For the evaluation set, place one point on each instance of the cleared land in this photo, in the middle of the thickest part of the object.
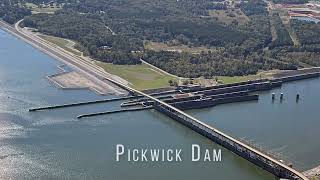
(63, 43)
(156, 46)
(229, 16)
(46, 9)
(234, 79)
(140, 76)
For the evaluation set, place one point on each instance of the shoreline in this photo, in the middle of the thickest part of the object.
(85, 68)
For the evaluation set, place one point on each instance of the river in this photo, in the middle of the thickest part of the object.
(55, 145)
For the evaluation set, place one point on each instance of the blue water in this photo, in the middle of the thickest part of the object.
(288, 128)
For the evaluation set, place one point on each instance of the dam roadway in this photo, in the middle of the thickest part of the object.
(249, 153)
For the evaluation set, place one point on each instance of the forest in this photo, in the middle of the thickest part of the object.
(213, 64)
(307, 32)
(12, 14)
(115, 32)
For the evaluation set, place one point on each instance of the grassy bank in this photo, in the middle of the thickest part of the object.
(235, 79)
(63, 43)
(140, 76)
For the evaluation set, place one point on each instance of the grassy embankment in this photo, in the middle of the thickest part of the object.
(140, 76)
(235, 79)
(63, 43)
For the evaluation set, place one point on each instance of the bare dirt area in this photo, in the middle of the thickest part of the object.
(74, 80)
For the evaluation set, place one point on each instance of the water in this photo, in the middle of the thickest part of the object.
(288, 128)
(55, 145)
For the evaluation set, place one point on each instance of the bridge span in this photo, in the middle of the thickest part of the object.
(249, 153)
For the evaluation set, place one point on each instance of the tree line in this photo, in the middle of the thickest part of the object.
(12, 13)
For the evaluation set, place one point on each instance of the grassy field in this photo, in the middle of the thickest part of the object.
(228, 16)
(35, 9)
(235, 79)
(156, 46)
(63, 43)
(143, 77)
(140, 76)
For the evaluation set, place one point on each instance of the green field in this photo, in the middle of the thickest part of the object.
(63, 43)
(140, 76)
(47, 9)
(235, 79)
